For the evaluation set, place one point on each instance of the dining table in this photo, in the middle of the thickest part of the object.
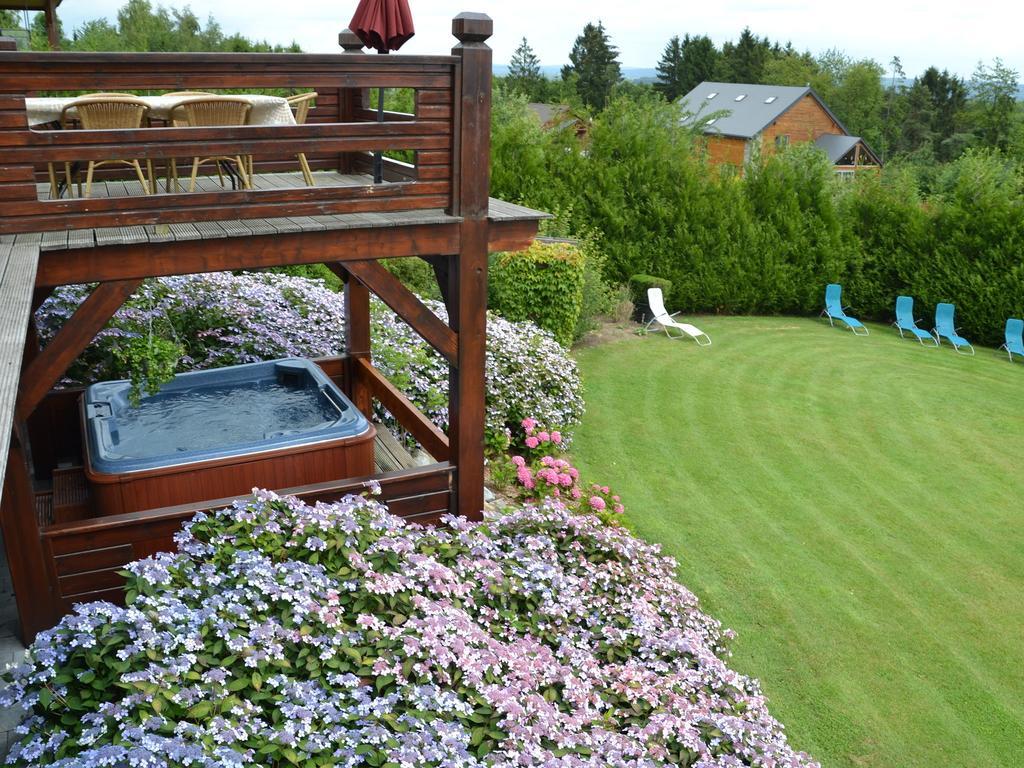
(266, 110)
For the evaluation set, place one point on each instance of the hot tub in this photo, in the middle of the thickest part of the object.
(212, 434)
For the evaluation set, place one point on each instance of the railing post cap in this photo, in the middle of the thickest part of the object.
(350, 41)
(472, 27)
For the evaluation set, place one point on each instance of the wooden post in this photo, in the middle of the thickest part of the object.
(50, 12)
(468, 270)
(29, 575)
(357, 340)
(8, 44)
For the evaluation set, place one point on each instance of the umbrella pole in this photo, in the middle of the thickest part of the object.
(378, 159)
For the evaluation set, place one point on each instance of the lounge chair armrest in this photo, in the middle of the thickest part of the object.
(676, 313)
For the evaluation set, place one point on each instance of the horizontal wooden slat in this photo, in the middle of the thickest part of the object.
(434, 96)
(16, 173)
(90, 581)
(17, 192)
(434, 112)
(93, 560)
(434, 157)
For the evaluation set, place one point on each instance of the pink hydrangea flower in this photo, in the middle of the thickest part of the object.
(529, 424)
(556, 437)
(532, 442)
(519, 461)
(597, 503)
(543, 436)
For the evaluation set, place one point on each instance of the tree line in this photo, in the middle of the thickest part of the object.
(930, 119)
(141, 26)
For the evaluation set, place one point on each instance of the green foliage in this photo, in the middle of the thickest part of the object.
(639, 285)
(524, 75)
(595, 66)
(141, 26)
(670, 71)
(415, 274)
(995, 91)
(543, 284)
(150, 361)
(311, 272)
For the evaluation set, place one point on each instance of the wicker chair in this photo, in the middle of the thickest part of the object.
(103, 112)
(213, 111)
(301, 104)
(180, 122)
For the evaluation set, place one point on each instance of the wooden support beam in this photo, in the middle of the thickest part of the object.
(405, 304)
(433, 440)
(357, 339)
(29, 574)
(115, 262)
(468, 272)
(80, 329)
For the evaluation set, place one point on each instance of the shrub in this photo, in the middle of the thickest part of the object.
(638, 287)
(335, 634)
(222, 319)
(542, 284)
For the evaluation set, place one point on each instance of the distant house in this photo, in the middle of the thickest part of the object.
(556, 117)
(738, 118)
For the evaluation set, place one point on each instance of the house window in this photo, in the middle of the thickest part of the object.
(782, 141)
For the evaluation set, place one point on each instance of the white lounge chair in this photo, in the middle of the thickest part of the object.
(664, 319)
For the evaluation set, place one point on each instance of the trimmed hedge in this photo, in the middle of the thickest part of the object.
(543, 284)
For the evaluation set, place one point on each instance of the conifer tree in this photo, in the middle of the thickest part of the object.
(524, 76)
(670, 68)
(594, 62)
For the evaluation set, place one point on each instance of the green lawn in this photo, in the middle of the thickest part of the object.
(853, 508)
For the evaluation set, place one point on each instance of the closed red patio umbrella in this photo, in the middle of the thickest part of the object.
(384, 25)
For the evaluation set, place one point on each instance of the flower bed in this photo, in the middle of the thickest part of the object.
(218, 319)
(287, 634)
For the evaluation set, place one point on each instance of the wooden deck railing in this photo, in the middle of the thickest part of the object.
(339, 134)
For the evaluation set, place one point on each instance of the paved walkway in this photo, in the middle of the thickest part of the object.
(11, 649)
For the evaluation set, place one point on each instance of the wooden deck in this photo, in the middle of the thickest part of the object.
(17, 280)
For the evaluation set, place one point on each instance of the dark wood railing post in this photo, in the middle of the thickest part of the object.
(349, 99)
(8, 44)
(468, 270)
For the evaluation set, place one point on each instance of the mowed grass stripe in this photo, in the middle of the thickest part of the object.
(851, 507)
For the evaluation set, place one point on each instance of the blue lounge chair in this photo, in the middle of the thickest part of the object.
(944, 327)
(1014, 338)
(905, 320)
(835, 310)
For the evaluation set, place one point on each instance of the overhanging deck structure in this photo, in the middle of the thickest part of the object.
(435, 207)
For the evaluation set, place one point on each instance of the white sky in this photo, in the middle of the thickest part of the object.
(953, 35)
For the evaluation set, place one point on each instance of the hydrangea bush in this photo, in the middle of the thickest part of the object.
(220, 319)
(285, 634)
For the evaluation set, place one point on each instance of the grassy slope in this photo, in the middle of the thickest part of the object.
(852, 507)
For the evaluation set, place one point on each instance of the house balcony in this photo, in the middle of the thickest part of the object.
(297, 189)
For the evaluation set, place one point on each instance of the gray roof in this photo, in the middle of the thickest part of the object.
(836, 146)
(759, 106)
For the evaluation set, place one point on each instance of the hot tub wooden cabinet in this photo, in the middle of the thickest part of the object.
(222, 432)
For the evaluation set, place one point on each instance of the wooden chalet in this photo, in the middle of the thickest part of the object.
(740, 120)
(61, 548)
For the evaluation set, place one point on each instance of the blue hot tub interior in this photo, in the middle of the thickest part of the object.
(215, 414)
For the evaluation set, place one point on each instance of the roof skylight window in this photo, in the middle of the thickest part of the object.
(770, 99)
(712, 95)
(741, 97)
